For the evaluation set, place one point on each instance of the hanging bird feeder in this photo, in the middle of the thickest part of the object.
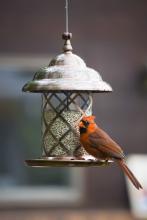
(67, 85)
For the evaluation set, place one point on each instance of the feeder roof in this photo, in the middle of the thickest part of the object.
(67, 72)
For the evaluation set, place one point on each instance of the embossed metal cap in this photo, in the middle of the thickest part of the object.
(67, 72)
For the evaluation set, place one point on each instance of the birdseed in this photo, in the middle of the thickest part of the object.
(59, 139)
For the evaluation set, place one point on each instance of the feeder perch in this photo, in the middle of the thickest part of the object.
(67, 85)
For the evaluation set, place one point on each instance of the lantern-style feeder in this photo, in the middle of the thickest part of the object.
(67, 85)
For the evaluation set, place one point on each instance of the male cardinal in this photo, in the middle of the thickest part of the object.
(100, 145)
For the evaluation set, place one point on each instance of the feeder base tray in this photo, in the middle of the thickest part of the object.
(67, 162)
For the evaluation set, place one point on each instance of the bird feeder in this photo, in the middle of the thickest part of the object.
(66, 85)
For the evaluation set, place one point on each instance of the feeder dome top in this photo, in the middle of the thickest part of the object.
(67, 72)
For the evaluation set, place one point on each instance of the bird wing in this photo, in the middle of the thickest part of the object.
(103, 142)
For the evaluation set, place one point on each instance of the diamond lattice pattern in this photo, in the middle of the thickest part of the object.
(59, 117)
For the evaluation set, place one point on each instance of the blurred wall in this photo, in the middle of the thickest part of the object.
(111, 36)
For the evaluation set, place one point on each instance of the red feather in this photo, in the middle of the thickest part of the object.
(100, 145)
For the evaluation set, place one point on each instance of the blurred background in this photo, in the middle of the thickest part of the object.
(111, 36)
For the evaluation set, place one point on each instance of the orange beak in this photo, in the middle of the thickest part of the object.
(81, 125)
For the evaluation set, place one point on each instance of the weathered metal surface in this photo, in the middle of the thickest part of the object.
(66, 162)
(67, 72)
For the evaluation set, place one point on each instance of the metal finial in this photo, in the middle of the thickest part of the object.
(67, 45)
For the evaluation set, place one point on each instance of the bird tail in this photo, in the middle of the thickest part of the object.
(129, 174)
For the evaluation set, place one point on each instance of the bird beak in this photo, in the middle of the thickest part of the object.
(81, 125)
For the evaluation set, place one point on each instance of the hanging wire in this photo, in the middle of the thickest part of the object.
(67, 16)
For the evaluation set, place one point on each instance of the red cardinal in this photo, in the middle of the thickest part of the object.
(100, 145)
